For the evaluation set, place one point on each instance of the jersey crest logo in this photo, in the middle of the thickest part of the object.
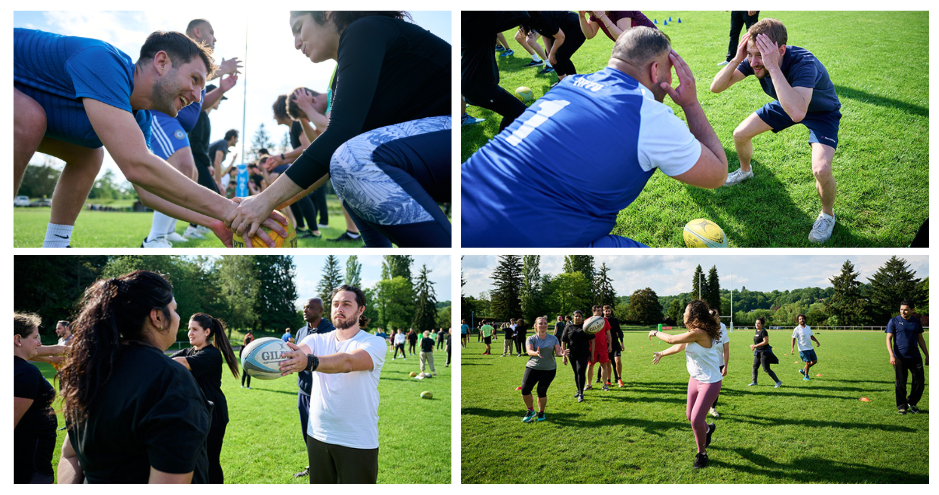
(179, 134)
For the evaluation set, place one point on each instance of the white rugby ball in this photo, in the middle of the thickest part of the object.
(701, 232)
(594, 324)
(261, 359)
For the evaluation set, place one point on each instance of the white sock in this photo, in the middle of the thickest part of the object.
(354, 235)
(172, 227)
(548, 64)
(57, 236)
(534, 57)
(161, 224)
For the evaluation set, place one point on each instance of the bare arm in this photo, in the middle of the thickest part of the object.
(531, 351)
(922, 345)
(588, 28)
(558, 41)
(342, 362)
(893, 359)
(795, 101)
(675, 349)
(729, 75)
(158, 477)
(183, 361)
(217, 163)
(69, 472)
(726, 358)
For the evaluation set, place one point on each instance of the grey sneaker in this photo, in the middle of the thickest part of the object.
(824, 225)
(158, 242)
(721, 64)
(778, 384)
(738, 176)
(174, 237)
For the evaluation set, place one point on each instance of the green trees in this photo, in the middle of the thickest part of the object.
(425, 305)
(847, 305)
(892, 283)
(603, 287)
(353, 272)
(331, 279)
(506, 296)
(644, 307)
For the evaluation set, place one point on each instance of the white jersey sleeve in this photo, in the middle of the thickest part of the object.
(665, 142)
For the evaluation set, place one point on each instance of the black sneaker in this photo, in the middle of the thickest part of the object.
(711, 428)
(914, 409)
(305, 472)
(306, 234)
(901, 411)
(534, 64)
(345, 237)
(700, 461)
(546, 70)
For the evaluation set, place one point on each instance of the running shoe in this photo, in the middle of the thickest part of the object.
(802, 371)
(700, 461)
(580, 398)
(202, 229)
(540, 417)
(711, 428)
(467, 120)
(305, 472)
(535, 64)
(306, 234)
(546, 70)
(174, 237)
(322, 226)
(620, 383)
(901, 411)
(713, 412)
(500, 48)
(518, 387)
(345, 237)
(506, 53)
(823, 227)
(588, 387)
(721, 64)
(752, 384)
(805, 378)
(778, 384)
(192, 233)
(608, 384)
(529, 417)
(605, 388)
(914, 409)
(158, 242)
(738, 176)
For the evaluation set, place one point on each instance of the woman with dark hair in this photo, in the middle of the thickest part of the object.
(304, 210)
(702, 357)
(133, 415)
(520, 335)
(249, 338)
(34, 421)
(579, 345)
(204, 360)
(387, 146)
(540, 369)
(560, 30)
(763, 353)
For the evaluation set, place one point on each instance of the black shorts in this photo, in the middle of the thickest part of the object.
(615, 353)
(487, 340)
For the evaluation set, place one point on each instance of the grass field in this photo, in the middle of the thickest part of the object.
(114, 229)
(803, 432)
(881, 164)
(263, 442)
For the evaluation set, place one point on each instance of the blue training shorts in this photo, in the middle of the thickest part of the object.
(823, 126)
(807, 356)
(168, 135)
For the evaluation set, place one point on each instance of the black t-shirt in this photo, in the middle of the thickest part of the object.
(758, 337)
(296, 128)
(559, 329)
(616, 333)
(150, 412)
(206, 367)
(477, 45)
(220, 145)
(390, 71)
(507, 333)
(577, 340)
(427, 344)
(412, 337)
(548, 22)
(34, 435)
(199, 140)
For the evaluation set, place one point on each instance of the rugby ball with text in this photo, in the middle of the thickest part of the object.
(703, 233)
(594, 324)
(261, 358)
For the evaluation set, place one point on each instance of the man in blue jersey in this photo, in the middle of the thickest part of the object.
(538, 176)
(904, 334)
(72, 95)
(170, 139)
(803, 94)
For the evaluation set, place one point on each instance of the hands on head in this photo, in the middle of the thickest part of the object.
(686, 93)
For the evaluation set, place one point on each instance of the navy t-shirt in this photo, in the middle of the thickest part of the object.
(58, 71)
(802, 70)
(905, 336)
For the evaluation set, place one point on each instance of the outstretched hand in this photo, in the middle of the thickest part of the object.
(769, 51)
(656, 356)
(230, 66)
(294, 361)
(685, 94)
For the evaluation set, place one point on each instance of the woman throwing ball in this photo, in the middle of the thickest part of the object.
(204, 360)
(702, 357)
(541, 367)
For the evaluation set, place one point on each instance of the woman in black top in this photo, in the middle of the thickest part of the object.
(562, 36)
(521, 335)
(249, 338)
(204, 360)
(34, 421)
(387, 146)
(763, 353)
(133, 415)
(580, 344)
(412, 341)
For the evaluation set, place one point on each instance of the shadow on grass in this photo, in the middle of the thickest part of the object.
(817, 470)
(577, 420)
(881, 101)
(812, 423)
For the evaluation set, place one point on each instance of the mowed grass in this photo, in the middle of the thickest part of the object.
(881, 163)
(263, 442)
(95, 229)
(804, 432)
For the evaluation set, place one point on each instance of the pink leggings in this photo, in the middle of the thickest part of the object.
(700, 398)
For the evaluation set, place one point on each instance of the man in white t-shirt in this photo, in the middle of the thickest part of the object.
(346, 365)
(725, 357)
(803, 334)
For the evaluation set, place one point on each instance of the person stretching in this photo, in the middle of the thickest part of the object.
(541, 368)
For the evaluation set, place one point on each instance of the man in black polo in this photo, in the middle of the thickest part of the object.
(904, 334)
(315, 323)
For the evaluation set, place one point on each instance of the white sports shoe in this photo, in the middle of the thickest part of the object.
(174, 237)
(721, 64)
(159, 242)
(192, 233)
(202, 229)
(738, 176)
(824, 225)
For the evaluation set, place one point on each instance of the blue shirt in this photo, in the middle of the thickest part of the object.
(905, 336)
(305, 378)
(802, 70)
(464, 329)
(570, 163)
(58, 71)
(286, 337)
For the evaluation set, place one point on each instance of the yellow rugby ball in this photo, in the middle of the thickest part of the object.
(289, 242)
(525, 94)
(703, 233)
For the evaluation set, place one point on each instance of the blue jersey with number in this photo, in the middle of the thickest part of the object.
(58, 71)
(559, 175)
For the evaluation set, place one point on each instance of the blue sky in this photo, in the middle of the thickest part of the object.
(672, 274)
(271, 65)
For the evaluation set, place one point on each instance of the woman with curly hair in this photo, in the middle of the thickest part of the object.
(133, 415)
(702, 357)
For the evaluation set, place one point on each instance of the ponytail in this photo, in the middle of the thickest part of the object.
(217, 333)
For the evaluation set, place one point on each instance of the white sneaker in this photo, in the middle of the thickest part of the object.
(159, 242)
(723, 63)
(824, 225)
(174, 237)
(202, 229)
(322, 226)
(192, 233)
(738, 176)
(714, 413)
